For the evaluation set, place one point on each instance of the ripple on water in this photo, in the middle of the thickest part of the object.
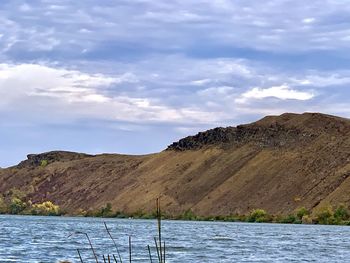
(45, 239)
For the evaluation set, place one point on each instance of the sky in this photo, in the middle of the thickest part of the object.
(132, 76)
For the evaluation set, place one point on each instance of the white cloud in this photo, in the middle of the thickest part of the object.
(283, 92)
(20, 83)
(271, 25)
(215, 92)
(324, 79)
(200, 82)
(163, 89)
(57, 93)
(309, 20)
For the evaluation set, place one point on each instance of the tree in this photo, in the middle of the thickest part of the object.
(17, 206)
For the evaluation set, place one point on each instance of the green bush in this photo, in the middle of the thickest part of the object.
(105, 211)
(143, 215)
(90, 213)
(44, 163)
(325, 216)
(232, 218)
(300, 212)
(258, 216)
(341, 213)
(306, 219)
(119, 214)
(188, 215)
(289, 219)
(17, 206)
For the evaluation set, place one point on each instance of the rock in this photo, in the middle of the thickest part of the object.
(34, 160)
(272, 131)
(272, 136)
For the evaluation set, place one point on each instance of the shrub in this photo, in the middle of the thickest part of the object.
(232, 218)
(153, 215)
(91, 213)
(81, 212)
(119, 214)
(16, 206)
(341, 213)
(44, 163)
(258, 215)
(46, 208)
(300, 212)
(289, 219)
(325, 216)
(105, 211)
(306, 219)
(189, 215)
(140, 214)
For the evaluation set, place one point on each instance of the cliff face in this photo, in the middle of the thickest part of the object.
(278, 163)
(272, 131)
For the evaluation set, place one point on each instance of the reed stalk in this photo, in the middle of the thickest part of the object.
(161, 251)
(81, 260)
(158, 254)
(159, 243)
(149, 253)
(115, 244)
(88, 238)
(130, 248)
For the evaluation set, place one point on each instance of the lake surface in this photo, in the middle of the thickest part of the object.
(45, 239)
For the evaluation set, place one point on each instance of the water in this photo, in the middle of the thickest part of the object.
(45, 239)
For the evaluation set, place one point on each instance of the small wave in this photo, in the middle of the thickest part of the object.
(222, 238)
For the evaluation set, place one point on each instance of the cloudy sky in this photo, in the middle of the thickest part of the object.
(131, 76)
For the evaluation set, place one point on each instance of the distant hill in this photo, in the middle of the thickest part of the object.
(278, 163)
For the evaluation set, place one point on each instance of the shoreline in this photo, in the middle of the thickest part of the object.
(226, 219)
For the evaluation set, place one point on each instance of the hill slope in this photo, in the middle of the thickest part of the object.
(278, 163)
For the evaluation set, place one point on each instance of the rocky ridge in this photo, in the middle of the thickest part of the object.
(272, 131)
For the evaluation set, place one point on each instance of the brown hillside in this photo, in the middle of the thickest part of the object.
(278, 163)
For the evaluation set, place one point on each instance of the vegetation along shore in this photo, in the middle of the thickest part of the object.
(327, 215)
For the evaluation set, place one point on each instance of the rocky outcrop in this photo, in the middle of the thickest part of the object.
(275, 135)
(272, 131)
(34, 160)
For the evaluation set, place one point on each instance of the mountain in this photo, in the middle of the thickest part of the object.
(278, 163)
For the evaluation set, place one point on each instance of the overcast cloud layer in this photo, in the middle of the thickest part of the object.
(133, 76)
